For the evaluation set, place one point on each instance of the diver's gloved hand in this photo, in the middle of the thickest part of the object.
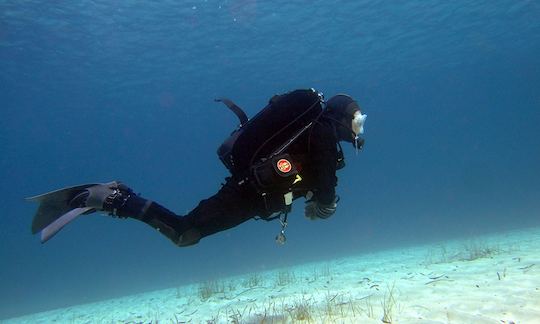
(109, 197)
(315, 210)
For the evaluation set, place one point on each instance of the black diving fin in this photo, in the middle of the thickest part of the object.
(54, 227)
(54, 211)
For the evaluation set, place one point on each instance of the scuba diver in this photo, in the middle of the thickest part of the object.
(290, 149)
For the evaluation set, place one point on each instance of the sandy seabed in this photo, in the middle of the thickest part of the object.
(491, 279)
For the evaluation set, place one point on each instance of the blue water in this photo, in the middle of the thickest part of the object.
(102, 90)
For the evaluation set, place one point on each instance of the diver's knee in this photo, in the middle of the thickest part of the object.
(190, 237)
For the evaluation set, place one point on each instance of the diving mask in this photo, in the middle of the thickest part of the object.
(358, 123)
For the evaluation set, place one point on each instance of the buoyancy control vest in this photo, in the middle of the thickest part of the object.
(257, 148)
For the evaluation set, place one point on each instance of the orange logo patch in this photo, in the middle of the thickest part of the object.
(284, 165)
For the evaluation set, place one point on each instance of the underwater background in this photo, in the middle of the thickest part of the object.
(94, 91)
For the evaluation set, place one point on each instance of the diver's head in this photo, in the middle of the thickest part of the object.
(347, 117)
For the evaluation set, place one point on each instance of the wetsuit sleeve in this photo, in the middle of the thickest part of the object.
(323, 156)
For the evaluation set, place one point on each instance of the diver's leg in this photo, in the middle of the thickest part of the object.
(173, 226)
(229, 207)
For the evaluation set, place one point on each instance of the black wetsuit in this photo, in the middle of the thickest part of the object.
(314, 152)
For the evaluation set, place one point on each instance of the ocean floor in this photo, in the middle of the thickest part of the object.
(491, 279)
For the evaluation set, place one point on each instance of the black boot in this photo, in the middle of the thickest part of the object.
(119, 200)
